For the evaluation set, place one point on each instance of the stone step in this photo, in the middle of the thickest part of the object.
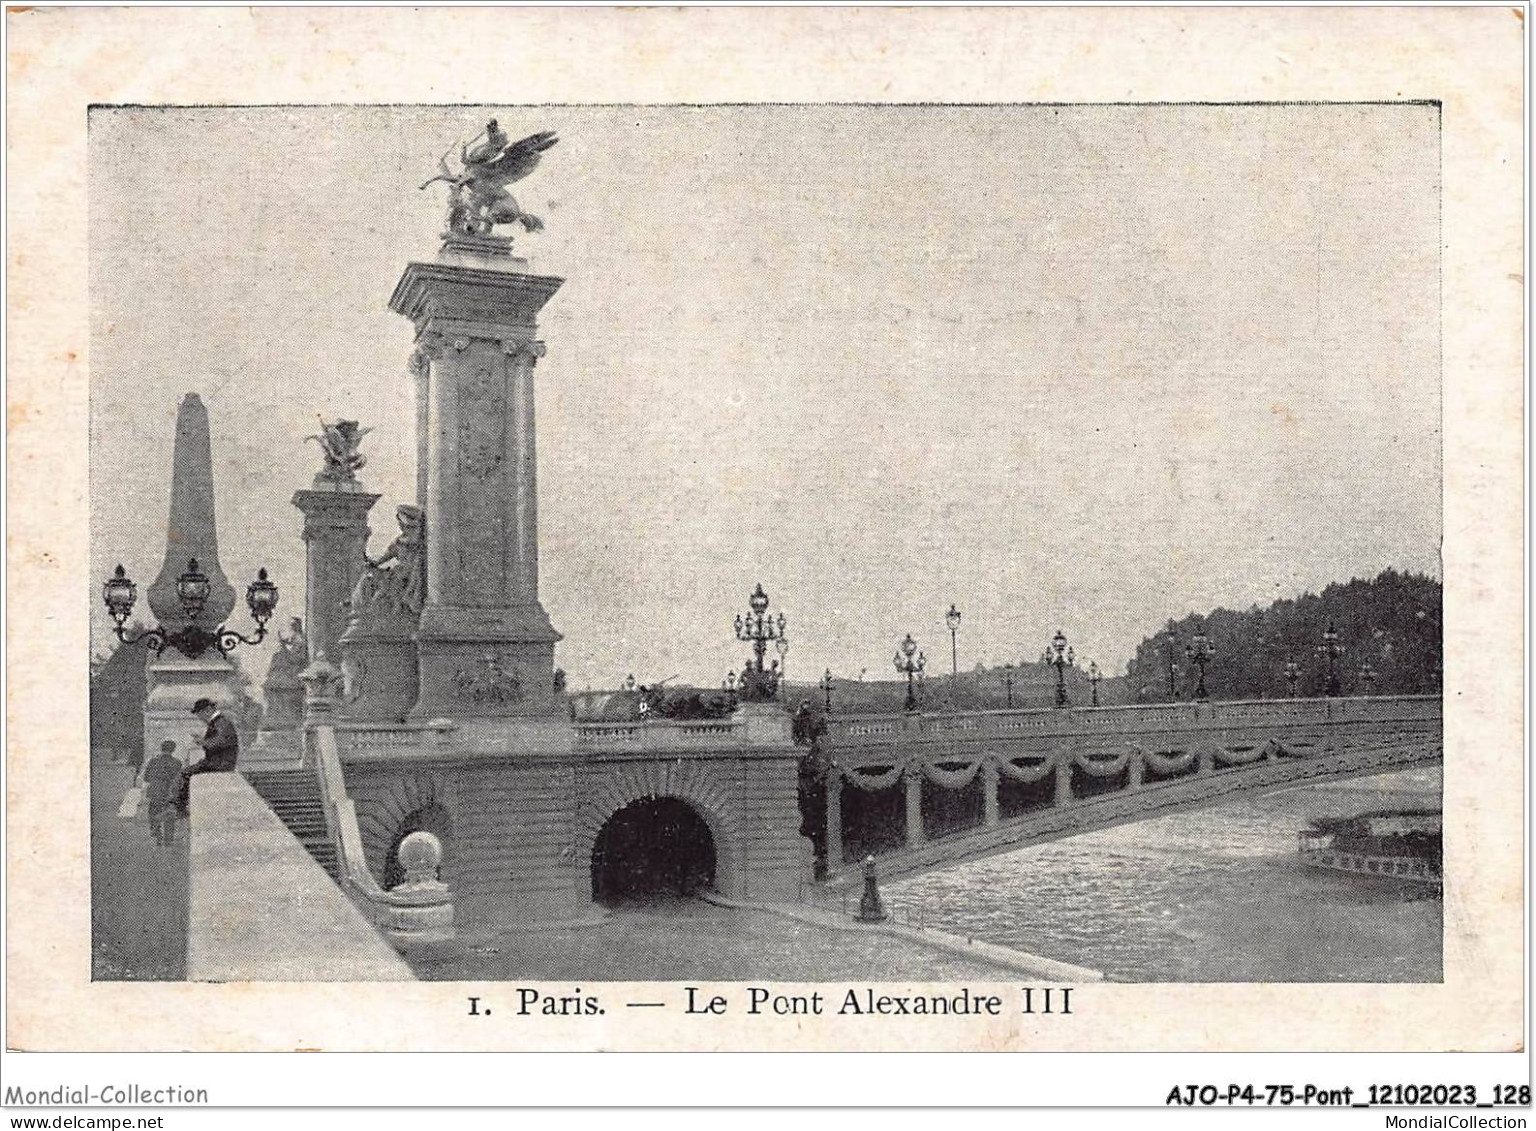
(294, 795)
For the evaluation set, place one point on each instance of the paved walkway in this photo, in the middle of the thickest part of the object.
(683, 940)
(138, 890)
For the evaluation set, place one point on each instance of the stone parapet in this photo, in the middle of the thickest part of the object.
(261, 909)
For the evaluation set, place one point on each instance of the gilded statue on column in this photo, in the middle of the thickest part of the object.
(478, 199)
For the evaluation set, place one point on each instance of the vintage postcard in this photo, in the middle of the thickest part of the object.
(667, 564)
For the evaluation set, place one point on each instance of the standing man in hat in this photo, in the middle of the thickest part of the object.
(220, 743)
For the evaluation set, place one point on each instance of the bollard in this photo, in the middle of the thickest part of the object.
(870, 908)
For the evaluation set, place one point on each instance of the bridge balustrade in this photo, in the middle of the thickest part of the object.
(661, 735)
(1060, 760)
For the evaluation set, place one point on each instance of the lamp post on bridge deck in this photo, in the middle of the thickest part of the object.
(1063, 658)
(1008, 682)
(758, 683)
(1173, 665)
(952, 618)
(910, 661)
(826, 689)
(1093, 680)
(1200, 650)
(1331, 649)
(1292, 674)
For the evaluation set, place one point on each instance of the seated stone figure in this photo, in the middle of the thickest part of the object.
(395, 582)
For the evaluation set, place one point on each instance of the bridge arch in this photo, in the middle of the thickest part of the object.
(702, 792)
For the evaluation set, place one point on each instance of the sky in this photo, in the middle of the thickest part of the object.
(1081, 367)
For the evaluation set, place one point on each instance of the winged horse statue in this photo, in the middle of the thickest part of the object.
(479, 199)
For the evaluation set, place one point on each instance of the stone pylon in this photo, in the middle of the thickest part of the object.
(175, 681)
(335, 538)
(485, 646)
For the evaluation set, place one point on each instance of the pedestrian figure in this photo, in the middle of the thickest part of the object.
(162, 787)
(220, 743)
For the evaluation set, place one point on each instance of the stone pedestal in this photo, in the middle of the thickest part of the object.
(282, 699)
(335, 538)
(175, 683)
(485, 646)
(378, 668)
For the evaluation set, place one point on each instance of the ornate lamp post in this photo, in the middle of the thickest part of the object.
(781, 645)
(192, 589)
(629, 682)
(910, 661)
(728, 685)
(1331, 649)
(826, 688)
(952, 618)
(1367, 677)
(1173, 661)
(1062, 659)
(1008, 682)
(759, 629)
(1093, 680)
(1292, 674)
(1200, 650)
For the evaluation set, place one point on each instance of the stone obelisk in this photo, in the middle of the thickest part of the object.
(175, 681)
(485, 646)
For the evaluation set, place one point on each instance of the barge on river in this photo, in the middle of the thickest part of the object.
(1395, 844)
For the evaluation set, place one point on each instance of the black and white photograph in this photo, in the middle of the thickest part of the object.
(920, 572)
(1013, 525)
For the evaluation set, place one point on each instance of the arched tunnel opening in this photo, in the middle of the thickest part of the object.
(651, 849)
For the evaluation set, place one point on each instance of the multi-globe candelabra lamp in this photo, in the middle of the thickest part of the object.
(759, 682)
(192, 590)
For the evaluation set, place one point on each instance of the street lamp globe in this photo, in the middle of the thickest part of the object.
(952, 618)
(758, 602)
(120, 593)
(261, 596)
(192, 588)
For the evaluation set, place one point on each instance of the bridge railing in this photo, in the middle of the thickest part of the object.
(955, 769)
(885, 730)
(662, 734)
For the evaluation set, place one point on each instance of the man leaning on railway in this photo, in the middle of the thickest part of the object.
(220, 743)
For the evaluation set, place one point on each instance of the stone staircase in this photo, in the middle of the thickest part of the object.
(294, 795)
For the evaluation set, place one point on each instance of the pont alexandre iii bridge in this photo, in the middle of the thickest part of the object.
(417, 744)
(927, 791)
(551, 825)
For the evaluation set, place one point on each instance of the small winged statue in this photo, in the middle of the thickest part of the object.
(479, 199)
(338, 442)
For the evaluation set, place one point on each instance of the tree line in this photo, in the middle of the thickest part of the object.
(1391, 622)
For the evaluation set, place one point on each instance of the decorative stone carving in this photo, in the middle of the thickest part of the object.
(482, 426)
(281, 693)
(489, 681)
(524, 351)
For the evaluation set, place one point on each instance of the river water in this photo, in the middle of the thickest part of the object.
(1216, 895)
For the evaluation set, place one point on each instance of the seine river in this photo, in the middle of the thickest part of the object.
(1211, 896)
